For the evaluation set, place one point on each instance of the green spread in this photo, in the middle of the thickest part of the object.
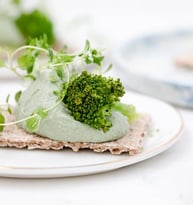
(59, 124)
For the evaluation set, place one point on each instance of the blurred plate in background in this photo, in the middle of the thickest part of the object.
(147, 65)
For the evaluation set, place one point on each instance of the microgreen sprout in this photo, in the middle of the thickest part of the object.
(28, 60)
(89, 97)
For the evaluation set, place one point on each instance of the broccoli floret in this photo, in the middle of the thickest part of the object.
(35, 25)
(90, 97)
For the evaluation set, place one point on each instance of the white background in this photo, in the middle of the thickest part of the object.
(117, 21)
(166, 179)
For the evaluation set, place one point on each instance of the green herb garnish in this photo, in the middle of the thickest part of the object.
(89, 96)
(18, 95)
(2, 121)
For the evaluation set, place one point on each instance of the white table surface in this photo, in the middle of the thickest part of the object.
(165, 179)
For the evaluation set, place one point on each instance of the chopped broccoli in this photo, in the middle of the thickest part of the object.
(35, 25)
(90, 97)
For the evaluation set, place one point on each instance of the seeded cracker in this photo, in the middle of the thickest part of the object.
(132, 143)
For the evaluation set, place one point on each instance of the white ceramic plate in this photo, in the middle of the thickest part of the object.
(147, 65)
(46, 164)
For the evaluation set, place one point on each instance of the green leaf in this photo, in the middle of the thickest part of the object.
(32, 77)
(87, 46)
(59, 72)
(16, 2)
(50, 54)
(59, 94)
(108, 68)
(66, 59)
(2, 63)
(98, 59)
(18, 95)
(2, 121)
(127, 110)
(41, 41)
(7, 98)
(9, 110)
(42, 113)
(88, 60)
(26, 62)
(33, 123)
